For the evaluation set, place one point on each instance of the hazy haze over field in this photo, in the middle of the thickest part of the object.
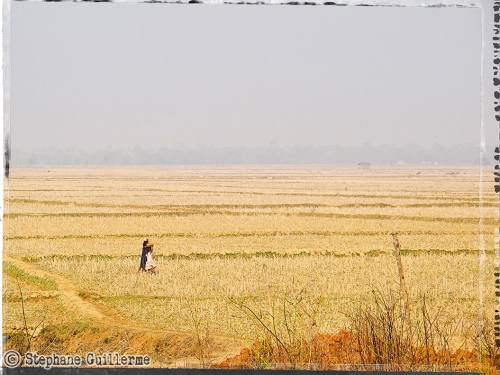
(114, 77)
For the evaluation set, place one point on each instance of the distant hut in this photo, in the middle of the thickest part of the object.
(364, 165)
(400, 163)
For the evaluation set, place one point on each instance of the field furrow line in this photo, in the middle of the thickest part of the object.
(237, 234)
(66, 289)
(486, 221)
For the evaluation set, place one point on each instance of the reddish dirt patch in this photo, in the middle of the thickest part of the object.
(342, 352)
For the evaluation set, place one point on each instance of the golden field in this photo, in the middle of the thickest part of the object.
(322, 232)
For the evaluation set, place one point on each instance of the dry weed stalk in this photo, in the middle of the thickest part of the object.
(23, 342)
(383, 336)
(204, 340)
(287, 331)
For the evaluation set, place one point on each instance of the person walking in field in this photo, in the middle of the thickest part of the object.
(146, 248)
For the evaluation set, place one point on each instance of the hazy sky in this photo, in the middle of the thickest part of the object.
(91, 76)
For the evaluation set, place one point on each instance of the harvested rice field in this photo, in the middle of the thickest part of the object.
(235, 246)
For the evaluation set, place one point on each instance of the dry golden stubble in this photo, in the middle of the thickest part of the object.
(299, 191)
(245, 243)
(208, 224)
(448, 280)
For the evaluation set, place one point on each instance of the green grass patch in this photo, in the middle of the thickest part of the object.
(416, 252)
(44, 283)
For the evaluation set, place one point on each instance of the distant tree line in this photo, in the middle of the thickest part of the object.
(271, 154)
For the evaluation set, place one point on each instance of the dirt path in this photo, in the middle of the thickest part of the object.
(85, 309)
(66, 289)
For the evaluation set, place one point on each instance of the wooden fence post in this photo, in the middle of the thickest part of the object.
(402, 284)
